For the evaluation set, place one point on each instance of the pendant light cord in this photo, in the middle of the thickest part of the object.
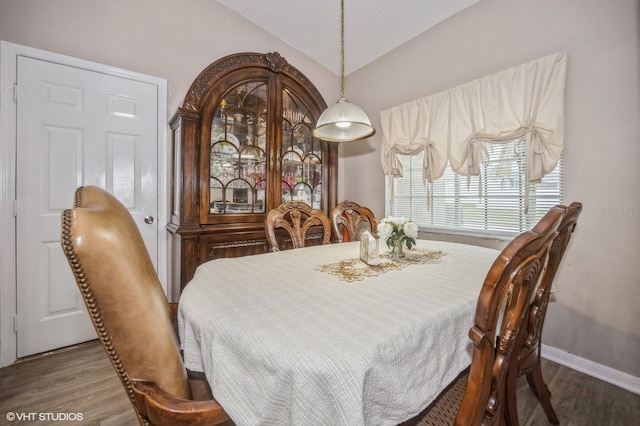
(343, 121)
(342, 49)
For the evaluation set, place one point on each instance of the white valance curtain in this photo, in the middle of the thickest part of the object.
(524, 101)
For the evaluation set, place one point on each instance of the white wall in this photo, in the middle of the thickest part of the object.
(172, 39)
(596, 312)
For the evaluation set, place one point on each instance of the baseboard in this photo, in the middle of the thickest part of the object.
(599, 371)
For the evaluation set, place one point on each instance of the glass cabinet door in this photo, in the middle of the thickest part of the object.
(238, 170)
(301, 160)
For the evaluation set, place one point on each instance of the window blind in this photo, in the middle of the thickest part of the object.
(492, 203)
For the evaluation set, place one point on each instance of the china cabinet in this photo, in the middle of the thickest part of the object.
(242, 145)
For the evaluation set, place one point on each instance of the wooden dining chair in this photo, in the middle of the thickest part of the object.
(297, 219)
(477, 397)
(348, 219)
(130, 312)
(527, 360)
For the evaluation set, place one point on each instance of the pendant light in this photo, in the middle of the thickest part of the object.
(343, 121)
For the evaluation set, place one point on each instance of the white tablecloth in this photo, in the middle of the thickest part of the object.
(284, 344)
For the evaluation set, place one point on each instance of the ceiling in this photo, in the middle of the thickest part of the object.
(372, 27)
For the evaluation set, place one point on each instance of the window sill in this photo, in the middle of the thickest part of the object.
(496, 241)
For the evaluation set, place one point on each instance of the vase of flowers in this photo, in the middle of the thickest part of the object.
(397, 232)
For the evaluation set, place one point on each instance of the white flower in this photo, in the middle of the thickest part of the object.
(411, 230)
(398, 221)
(397, 230)
(384, 229)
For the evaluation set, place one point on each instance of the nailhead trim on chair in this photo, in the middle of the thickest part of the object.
(94, 310)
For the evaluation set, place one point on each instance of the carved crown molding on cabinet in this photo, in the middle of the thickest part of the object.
(210, 75)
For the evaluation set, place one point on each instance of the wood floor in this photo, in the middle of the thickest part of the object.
(81, 380)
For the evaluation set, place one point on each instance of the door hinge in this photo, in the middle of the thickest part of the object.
(15, 208)
(15, 324)
(15, 92)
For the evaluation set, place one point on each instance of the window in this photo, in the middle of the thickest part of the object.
(489, 205)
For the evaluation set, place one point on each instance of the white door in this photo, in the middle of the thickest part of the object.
(74, 127)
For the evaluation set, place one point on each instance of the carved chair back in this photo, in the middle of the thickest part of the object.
(501, 311)
(527, 358)
(296, 218)
(539, 305)
(348, 219)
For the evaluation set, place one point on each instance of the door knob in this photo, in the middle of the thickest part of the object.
(148, 219)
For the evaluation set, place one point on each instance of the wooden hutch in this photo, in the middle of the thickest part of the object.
(242, 145)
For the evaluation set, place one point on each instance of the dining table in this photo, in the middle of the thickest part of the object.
(315, 336)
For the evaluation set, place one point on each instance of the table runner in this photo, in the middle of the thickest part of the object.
(284, 344)
(355, 269)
